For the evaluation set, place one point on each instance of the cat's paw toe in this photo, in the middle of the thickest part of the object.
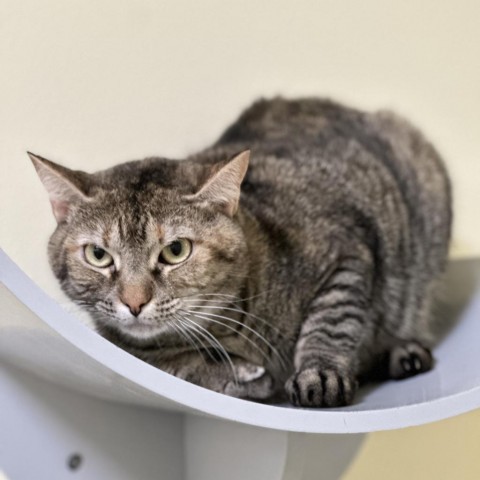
(316, 387)
(409, 359)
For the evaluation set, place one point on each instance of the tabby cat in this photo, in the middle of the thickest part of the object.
(298, 256)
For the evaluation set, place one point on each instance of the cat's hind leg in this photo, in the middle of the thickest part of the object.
(338, 325)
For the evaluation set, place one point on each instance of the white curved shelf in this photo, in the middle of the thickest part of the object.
(38, 335)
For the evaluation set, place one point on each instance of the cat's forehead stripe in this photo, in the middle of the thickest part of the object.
(160, 231)
(106, 236)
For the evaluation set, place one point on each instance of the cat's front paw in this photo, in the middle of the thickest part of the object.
(252, 382)
(317, 387)
(409, 359)
(242, 380)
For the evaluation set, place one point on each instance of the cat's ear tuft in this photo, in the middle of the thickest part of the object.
(222, 187)
(64, 186)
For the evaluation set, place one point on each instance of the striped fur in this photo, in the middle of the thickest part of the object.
(324, 277)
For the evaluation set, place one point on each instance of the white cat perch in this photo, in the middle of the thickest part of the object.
(92, 411)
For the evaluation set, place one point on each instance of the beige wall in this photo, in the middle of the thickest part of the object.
(92, 83)
(446, 450)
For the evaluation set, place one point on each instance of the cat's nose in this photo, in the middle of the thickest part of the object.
(135, 297)
(135, 309)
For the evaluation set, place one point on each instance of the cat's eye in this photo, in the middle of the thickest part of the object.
(97, 256)
(177, 252)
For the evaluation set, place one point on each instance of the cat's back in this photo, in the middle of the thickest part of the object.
(323, 159)
(279, 119)
(320, 131)
(315, 142)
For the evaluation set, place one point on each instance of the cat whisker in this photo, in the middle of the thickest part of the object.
(229, 327)
(212, 317)
(181, 332)
(223, 354)
(189, 331)
(238, 310)
(240, 299)
(188, 325)
(177, 325)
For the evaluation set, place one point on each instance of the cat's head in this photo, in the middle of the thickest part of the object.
(137, 244)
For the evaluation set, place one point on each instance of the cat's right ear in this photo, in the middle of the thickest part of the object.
(222, 188)
(64, 186)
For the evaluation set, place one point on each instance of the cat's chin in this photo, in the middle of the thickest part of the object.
(141, 331)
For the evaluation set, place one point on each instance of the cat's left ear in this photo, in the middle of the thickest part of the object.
(64, 186)
(222, 187)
